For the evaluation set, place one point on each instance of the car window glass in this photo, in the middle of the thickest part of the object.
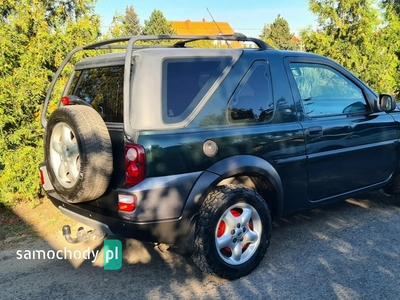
(251, 102)
(103, 89)
(185, 82)
(325, 91)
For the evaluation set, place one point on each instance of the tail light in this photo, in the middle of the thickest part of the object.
(65, 100)
(126, 203)
(135, 164)
(41, 177)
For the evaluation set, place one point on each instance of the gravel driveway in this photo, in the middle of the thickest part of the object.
(348, 250)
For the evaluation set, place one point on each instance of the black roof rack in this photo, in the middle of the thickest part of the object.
(184, 39)
(239, 37)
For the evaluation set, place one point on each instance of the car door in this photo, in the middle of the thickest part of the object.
(349, 145)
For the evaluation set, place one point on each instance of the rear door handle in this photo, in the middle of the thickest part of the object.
(314, 131)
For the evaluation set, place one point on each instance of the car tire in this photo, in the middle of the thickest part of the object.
(232, 233)
(78, 153)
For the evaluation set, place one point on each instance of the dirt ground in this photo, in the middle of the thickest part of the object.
(22, 222)
(347, 250)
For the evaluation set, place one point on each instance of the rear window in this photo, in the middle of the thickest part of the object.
(103, 89)
(185, 82)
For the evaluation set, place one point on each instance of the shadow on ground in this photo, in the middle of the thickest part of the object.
(347, 250)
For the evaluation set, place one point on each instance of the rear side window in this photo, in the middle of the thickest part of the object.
(103, 89)
(252, 101)
(185, 82)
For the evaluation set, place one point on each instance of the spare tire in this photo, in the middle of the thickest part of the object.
(78, 153)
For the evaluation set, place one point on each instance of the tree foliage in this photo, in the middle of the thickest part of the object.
(126, 24)
(35, 37)
(353, 33)
(278, 35)
(393, 5)
(157, 24)
(390, 33)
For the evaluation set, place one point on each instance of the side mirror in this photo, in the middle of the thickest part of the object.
(387, 103)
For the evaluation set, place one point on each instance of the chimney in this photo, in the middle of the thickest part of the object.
(187, 23)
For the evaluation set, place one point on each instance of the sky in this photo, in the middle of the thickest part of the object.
(247, 17)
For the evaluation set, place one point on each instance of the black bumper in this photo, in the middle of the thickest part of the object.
(176, 232)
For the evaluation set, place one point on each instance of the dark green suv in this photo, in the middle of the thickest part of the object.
(201, 148)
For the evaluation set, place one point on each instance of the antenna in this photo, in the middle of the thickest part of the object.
(219, 29)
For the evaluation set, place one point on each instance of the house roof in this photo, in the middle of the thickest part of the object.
(296, 39)
(189, 27)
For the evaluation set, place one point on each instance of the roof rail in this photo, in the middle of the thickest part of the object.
(184, 39)
(235, 37)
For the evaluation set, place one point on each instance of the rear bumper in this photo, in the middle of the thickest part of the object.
(159, 198)
(87, 221)
(174, 232)
(158, 216)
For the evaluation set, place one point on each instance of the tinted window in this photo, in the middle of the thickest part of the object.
(103, 89)
(185, 82)
(251, 102)
(325, 91)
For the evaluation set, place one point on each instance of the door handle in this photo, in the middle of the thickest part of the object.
(314, 131)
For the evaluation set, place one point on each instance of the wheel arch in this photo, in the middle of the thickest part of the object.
(250, 171)
(253, 172)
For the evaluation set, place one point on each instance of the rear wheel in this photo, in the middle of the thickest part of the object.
(78, 153)
(233, 232)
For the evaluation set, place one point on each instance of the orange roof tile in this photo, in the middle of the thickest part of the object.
(296, 39)
(201, 28)
(189, 27)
